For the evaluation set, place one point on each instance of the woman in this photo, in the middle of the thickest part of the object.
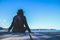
(19, 23)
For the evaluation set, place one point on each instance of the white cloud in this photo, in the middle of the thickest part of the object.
(4, 23)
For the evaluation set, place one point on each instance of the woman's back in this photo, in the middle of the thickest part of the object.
(18, 23)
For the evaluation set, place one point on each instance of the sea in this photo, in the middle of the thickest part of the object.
(52, 38)
(35, 30)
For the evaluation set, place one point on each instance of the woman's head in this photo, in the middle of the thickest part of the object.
(20, 12)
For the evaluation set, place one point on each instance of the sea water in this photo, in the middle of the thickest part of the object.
(36, 30)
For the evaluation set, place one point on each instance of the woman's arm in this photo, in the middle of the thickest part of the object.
(11, 25)
(25, 22)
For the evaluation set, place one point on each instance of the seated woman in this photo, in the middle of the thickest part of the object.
(19, 23)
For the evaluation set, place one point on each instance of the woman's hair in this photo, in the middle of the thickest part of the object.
(20, 12)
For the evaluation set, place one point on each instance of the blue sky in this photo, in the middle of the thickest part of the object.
(40, 14)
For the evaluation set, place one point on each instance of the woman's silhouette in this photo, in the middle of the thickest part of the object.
(19, 23)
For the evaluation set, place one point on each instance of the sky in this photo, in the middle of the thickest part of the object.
(40, 14)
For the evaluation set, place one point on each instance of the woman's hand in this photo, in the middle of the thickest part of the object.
(8, 30)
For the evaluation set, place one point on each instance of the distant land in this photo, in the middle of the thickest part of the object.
(43, 29)
(1, 28)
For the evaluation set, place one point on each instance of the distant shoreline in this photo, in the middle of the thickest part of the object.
(36, 30)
